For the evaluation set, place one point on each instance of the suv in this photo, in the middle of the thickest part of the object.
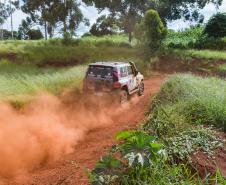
(122, 79)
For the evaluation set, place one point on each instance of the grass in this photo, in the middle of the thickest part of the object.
(160, 152)
(201, 54)
(18, 81)
(27, 67)
(221, 70)
(75, 51)
(186, 100)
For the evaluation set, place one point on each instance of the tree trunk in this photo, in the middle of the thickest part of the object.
(130, 37)
(11, 16)
(45, 30)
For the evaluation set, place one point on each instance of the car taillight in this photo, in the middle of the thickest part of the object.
(117, 85)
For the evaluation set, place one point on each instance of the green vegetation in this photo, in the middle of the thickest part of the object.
(194, 38)
(185, 99)
(20, 81)
(221, 70)
(176, 116)
(28, 67)
(201, 54)
(216, 26)
(151, 31)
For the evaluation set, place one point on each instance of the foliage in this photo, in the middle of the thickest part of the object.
(186, 143)
(7, 35)
(151, 31)
(111, 170)
(200, 54)
(193, 38)
(105, 26)
(216, 26)
(183, 39)
(26, 32)
(49, 15)
(131, 11)
(34, 34)
(6, 9)
(221, 70)
(185, 100)
(19, 81)
(139, 151)
(205, 42)
(139, 148)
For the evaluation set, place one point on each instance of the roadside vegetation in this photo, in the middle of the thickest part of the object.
(184, 118)
(160, 152)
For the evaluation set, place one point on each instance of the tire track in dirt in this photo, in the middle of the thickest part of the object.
(71, 168)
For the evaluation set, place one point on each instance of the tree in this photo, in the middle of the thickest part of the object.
(25, 31)
(216, 26)
(131, 11)
(151, 31)
(35, 34)
(6, 10)
(65, 14)
(105, 26)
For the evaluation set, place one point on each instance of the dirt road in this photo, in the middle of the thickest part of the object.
(71, 168)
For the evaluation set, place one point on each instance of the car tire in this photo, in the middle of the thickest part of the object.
(123, 96)
(141, 89)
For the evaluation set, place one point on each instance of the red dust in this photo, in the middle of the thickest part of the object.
(48, 128)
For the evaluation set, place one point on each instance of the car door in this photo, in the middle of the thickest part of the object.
(132, 79)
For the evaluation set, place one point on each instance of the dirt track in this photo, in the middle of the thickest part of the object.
(71, 168)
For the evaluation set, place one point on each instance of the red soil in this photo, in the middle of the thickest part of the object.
(70, 169)
(205, 164)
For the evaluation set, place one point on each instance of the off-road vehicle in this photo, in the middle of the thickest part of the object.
(118, 78)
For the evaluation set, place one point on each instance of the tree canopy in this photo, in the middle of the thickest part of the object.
(65, 14)
(131, 11)
(216, 26)
(105, 25)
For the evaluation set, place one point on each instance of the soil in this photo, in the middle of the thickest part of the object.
(210, 164)
(71, 169)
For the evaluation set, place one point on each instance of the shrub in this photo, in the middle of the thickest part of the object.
(151, 30)
(216, 27)
(205, 42)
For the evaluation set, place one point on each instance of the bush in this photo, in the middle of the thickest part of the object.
(205, 42)
(216, 27)
(151, 31)
(183, 39)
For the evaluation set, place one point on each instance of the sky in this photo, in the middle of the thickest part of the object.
(92, 14)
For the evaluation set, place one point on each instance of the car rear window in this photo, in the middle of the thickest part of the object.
(100, 71)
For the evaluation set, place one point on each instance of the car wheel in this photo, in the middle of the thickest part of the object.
(141, 89)
(123, 96)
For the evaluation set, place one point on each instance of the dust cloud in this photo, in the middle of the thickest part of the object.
(47, 129)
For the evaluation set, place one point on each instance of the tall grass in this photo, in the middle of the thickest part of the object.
(75, 52)
(201, 54)
(186, 99)
(21, 80)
